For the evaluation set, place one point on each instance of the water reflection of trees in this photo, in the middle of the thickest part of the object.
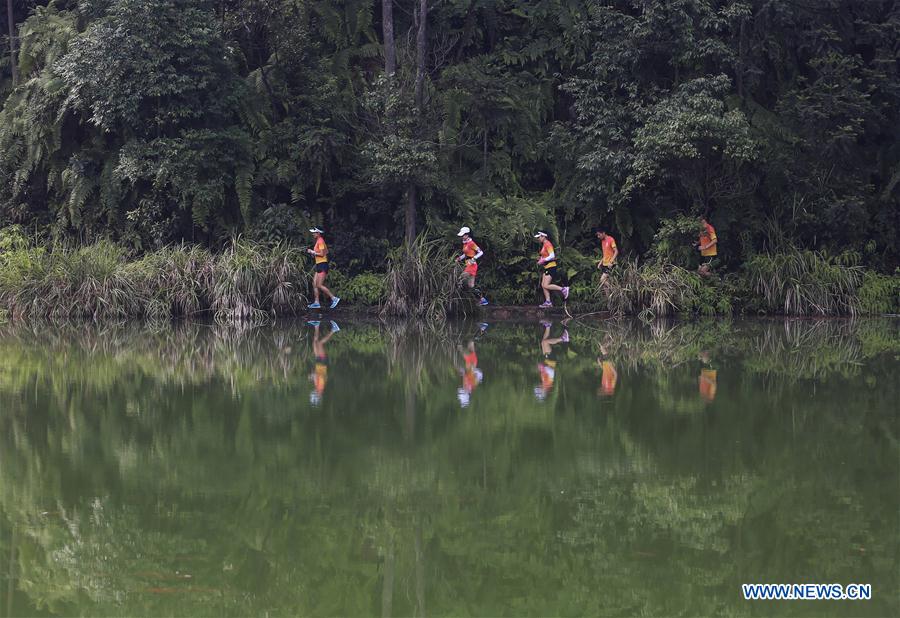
(122, 474)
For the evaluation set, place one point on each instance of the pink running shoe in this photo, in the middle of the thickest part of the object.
(545, 304)
(565, 293)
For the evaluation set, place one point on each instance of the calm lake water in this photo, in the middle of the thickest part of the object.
(612, 468)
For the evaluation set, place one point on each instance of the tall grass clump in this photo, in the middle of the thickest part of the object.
(655, 289)
(422, 282)
(177, 281)
(245, 282)
(799, 282)
(88, 282)
(251, 282)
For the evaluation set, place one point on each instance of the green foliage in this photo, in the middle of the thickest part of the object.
(362, 290)
(675, 240)
(280, 223)
(879, 293)
(121, 140)
(797, 282)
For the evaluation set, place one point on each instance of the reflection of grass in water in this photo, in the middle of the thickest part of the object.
(417, 356)
(807, 350)
(794, 349)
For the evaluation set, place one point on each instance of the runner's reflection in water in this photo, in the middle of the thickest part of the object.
(608, 376)
(319, 376)
(547, 365)
(471, 374)
(707, 380)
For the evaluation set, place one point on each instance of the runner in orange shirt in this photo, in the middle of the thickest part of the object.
(470, 254)
(707, 244)
(547, 260)
(610, 252)
(320, 252)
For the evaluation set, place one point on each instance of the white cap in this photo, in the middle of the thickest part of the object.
(463, 397)
(316, 230)
(539, 234)
(463, 231)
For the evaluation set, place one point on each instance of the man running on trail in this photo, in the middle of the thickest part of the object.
(708, 246)
(320, 252)
(470, 254)
(610, 253)
(547, 260)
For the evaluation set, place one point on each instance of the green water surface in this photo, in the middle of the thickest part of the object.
(607, 468)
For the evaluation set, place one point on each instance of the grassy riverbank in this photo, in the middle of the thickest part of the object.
(247, 281)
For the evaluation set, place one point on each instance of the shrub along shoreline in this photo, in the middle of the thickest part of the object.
(257, 282)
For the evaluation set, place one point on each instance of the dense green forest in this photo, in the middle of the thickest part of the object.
(151, 122)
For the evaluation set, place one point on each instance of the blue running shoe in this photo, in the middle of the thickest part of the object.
(314, 306)
(334, 327)
(483, 301)
(334, 301)
(313, 322)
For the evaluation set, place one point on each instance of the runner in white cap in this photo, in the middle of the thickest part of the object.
(470, 254)
(320, 252)
(547, 260)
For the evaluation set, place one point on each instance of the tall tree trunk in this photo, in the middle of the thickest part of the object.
(420, 55)
(12, 42)
(387, 29)
(410, 214)
(422, 16)
(484, 155)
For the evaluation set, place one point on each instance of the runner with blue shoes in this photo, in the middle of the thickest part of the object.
(320, 252)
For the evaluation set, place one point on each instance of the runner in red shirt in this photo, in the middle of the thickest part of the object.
(470, 254)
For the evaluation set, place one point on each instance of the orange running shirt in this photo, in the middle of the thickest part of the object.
(320, 247)
(609, 249)
(321, 377)
(708, 236)
(469, 250)
(609, 379)
(708, 384)
(548, 375)
(470, 378)
(547, 250)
